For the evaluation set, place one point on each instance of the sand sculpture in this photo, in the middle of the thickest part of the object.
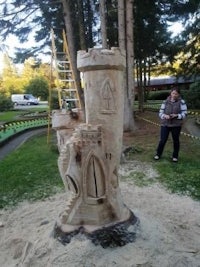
(90, 158)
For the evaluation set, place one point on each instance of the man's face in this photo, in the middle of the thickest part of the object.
(174, 94)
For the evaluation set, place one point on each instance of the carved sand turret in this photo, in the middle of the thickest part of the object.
(89, 160)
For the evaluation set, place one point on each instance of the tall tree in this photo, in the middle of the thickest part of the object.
(189, 48)
(153, 43)
(130, 64)
(125, 22)
(10, 78)
(38, 87)
(71, 45)
(81, 24)
(121, 25)
(102, 8)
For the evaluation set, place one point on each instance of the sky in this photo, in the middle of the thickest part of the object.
(176, 28)
(13, 42)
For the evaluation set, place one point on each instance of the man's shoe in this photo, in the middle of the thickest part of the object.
(174, 159)
(156, 157)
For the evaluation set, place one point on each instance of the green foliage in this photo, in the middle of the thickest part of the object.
(132, 150)
(11, 82)
(10, 115)
(162, 95)
(16, 114)
(158, 95)
(5, 103)
(192, 97)
(181, 178)
(29, 173)
(54, 103)
(38, 87)
(153, 43)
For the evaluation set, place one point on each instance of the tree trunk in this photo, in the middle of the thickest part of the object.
(71, 46)
(130, 63)
(121, 25)
(102, 10)
(140, 87)
(125, 24)
(89, 24)
(81, 25)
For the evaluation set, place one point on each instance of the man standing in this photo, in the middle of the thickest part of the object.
(172, 113)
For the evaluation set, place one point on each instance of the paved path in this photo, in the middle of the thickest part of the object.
(192, 127)
(19, 140)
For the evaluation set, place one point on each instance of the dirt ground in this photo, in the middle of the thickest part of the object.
(168, 236)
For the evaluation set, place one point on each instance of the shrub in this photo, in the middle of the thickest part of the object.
(192, 96)
(38, 87)
(158, 95)
(5, 103)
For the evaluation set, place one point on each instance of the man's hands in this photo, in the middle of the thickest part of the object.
(167, 117)
(171, 116)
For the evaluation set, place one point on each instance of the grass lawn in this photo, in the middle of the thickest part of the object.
(14, 114)
(182, 177)
(31, 172)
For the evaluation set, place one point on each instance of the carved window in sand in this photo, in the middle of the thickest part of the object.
(108, 104)
(94, 179)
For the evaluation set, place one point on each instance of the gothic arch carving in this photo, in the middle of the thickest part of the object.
(108, 104)
(94, 186)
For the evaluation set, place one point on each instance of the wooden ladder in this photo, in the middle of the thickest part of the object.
(68, 96)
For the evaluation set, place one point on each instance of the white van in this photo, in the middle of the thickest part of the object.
(24, 99)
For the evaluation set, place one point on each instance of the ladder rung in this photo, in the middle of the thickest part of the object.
(72, 92)
(66, 80)
(63, 61)
(64, 71)
(69, 90)
(60, 53)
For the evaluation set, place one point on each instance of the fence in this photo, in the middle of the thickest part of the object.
(9, 130)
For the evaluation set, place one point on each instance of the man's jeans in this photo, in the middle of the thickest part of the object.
(164, 134)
